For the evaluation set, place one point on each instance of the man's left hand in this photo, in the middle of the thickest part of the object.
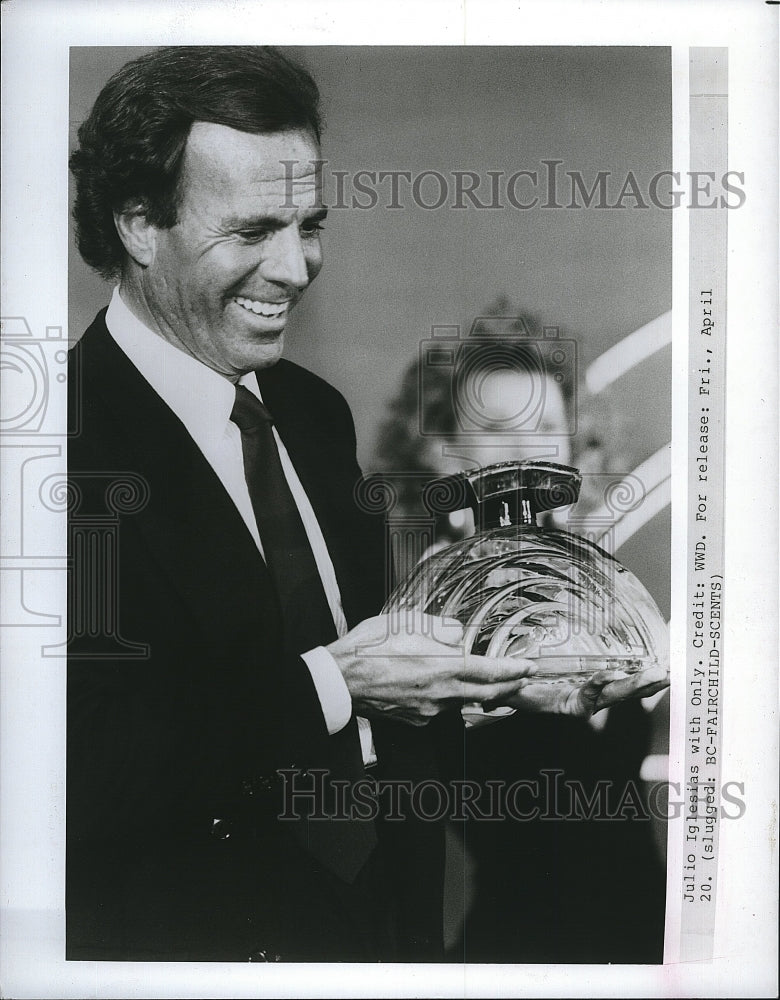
(601, 691)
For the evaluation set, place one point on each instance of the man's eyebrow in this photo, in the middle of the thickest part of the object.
(317, 215)
(270, 222)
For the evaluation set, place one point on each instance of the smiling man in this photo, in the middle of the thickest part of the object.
(244, 650)
(248, 577)
(220, 284)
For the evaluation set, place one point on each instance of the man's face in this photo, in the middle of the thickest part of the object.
(223, 280)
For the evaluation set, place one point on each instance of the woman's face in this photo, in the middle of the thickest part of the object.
(510, 415)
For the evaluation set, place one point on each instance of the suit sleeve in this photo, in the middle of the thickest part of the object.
(172, 740)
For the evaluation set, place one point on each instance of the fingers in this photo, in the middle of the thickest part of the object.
(656, 675)
(545, 698)
(638, 685)
(492, 679)
(650, 676)
(496, 669)
(653, 689)
(493, 694)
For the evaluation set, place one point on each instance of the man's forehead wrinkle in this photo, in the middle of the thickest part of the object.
(251, 200)
(292, 163)
(276, 157)
(242, 174)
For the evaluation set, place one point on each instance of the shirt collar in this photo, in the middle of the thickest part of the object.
(200, 397)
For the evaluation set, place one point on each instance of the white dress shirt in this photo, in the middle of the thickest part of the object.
(203, 400)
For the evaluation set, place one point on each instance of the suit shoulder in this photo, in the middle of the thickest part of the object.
(293, 374)
(94, 333)
(305, 387)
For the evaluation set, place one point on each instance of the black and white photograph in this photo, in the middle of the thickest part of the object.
(395, 617)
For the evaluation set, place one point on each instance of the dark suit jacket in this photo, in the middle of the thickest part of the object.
(194, 729)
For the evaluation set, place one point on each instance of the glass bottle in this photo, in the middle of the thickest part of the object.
(523, 590)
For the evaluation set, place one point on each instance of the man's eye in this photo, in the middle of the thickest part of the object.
(312, 228)
(252, 235)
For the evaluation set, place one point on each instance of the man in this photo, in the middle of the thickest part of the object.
(199, 823)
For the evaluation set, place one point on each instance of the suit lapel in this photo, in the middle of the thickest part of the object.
(219, 573)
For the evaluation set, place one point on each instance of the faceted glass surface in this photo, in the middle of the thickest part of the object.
(549, 595)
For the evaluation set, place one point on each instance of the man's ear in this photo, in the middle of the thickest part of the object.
(137, 234)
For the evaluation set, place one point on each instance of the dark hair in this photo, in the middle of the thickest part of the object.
(132, 144)
(400, 441)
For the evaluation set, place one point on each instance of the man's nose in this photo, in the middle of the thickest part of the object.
(285, 260)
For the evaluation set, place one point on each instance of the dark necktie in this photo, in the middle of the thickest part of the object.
(342, 845)
(307, 618)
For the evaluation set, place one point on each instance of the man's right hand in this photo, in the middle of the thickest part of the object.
(412, 666)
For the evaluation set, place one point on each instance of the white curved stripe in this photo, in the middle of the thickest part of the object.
(656, 469)
(655, 476)
(650, 473)
(628, 352)
(631, 522)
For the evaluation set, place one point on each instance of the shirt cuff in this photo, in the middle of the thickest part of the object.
(331, 688)
(655, 767)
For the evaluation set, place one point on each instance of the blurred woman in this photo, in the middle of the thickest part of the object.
(543, 890)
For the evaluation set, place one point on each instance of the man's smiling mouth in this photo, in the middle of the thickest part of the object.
(270, 310)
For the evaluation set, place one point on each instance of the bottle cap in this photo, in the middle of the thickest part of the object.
(505, 494)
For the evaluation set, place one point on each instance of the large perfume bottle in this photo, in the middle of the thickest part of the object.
(521, 590)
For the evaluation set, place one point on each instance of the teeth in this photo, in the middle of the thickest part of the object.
(270, 310)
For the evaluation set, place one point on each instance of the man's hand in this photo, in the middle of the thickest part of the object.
(412, 666)
(602, 690)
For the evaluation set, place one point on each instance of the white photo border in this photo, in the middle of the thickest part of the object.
(37, 38)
